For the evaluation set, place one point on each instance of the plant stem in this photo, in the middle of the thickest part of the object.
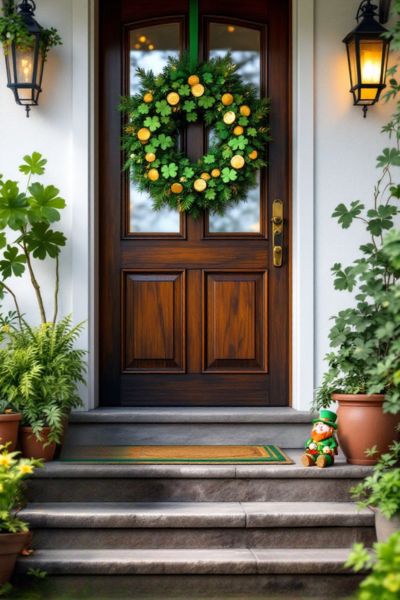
(56, 289)
(9, 290)
(35, 283)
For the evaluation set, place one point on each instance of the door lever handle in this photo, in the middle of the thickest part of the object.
(277, 232)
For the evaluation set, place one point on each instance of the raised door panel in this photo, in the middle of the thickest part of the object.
(235, 305)
(154, 332)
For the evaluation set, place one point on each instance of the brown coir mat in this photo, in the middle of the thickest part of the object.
(271, 455)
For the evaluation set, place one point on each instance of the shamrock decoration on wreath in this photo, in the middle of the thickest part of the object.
(215, 94)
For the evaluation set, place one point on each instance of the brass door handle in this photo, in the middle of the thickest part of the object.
(277, 232)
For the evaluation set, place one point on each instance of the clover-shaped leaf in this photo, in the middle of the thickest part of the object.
(152, 123)
(252, 131)
(45, 203)
(209, 159)
(163, 108)
(143, 109)
(210, 194)
(238, 143)
(33, 164)
(42, 241)
(170, 170)
(228, 175)
(346, 215)
(184, 90)
(188, 172)
(164, 141)
(12, 263)
(13, 206)
(189, 105)
(227, 152)
(243, 121)
(207, 77)
(191, 117)
(206, 101)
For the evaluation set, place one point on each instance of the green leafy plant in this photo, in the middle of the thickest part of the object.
(14, 30)
(13, 470)
(384, 581)
(39, 372)
(381, 489)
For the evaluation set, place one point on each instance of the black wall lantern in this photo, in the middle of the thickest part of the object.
(24, 63)
(367, 53)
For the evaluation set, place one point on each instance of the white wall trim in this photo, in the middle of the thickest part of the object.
(84, 265)
(303, 342)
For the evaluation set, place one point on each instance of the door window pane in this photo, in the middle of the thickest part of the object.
(150, 48)
(244, 44)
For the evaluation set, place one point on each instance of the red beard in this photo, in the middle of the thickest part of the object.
(318, 437)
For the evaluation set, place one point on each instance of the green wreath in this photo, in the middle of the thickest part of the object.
(214, 93)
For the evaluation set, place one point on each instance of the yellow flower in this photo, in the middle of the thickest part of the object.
(5, 460)
(392, 582)
(25, 469)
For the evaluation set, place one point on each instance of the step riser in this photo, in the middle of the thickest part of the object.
(285, 435)
(190, 490)
(291, 537)
(175, 587)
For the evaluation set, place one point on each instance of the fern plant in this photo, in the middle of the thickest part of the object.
(40, 369)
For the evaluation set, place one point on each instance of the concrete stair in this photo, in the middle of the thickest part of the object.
(195, 531)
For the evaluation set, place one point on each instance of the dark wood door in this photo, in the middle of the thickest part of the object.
(193, 312)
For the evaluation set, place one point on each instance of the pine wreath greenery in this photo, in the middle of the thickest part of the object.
(212, 93)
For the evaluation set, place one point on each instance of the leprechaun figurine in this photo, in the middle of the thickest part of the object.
(321, 447)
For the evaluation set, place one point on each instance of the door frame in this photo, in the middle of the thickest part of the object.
(85, 276)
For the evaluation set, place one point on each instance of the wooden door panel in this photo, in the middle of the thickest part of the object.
(235, 315)
(154, 321)
(199, 317)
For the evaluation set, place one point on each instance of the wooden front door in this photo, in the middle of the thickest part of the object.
(193, 312)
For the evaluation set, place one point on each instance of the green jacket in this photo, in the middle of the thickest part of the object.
(330, 442)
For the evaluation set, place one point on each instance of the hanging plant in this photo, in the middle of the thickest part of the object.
(214, 94)
(13, 29)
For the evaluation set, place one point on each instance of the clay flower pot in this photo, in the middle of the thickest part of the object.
(9, 423)
(33, 448)
(11, 545)
(362, 424)
(385, 527)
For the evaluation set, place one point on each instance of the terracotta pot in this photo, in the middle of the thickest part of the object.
(11, 545)
(9, 424)
(362, 424)
(33, 448)
(64, 433)
(385, 527)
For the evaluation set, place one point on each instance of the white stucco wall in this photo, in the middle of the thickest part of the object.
(345, 147)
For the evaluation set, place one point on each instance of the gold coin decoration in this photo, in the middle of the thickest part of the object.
(245, 110)
(237, 161)
(153, 174)
(215, 172)
(205, 176)
(176, 188)
(253, 155)
(227, 99)
(238, 130)
(193, 80)
(173, 98)
(144, 134)
(229, 117)
(150, 157)
(148, 97)
(200, 185)
(198, 90)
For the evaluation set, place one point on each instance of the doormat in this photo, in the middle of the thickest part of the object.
(271, 455)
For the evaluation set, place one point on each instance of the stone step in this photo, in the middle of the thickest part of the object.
(200, 525)
(284, 427)
(77, 482)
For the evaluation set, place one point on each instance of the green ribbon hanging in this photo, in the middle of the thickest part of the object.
(193, 32)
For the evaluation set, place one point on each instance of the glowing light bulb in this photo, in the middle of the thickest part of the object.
(370, 68)
(230, 28)
(142, 39)
(26, 68)
(150, 46)
(137, 46)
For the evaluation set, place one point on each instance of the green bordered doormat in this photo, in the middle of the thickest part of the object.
(271, 455)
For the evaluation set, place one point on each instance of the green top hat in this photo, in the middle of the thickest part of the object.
(328, 417)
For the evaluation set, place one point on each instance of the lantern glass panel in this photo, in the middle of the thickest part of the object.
(371, 58)
(352, 53)
(25, 62)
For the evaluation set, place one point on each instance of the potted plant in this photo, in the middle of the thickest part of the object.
(40, 366)
(381, 492)
(383, 582)
(365, 337)
(14, 533)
